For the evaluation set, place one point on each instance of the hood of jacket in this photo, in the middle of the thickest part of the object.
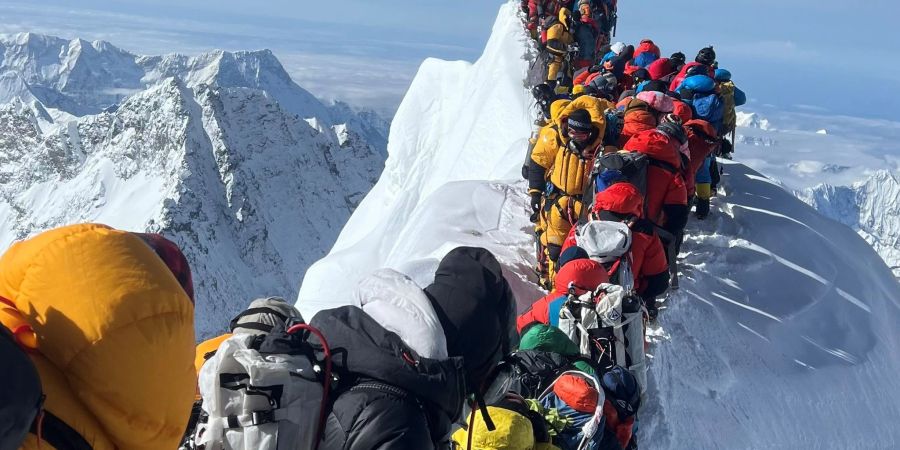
(660, 68)
(476, 308)
(399, 305)
(701, 126)
(362, 347)
(647, 45)
(656, 145)
(586, 274)
(620, 198)
(513, 431)
(595, 107)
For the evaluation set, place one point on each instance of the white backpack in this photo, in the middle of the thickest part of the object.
(265, 390)
(609, 242)
(607, 324)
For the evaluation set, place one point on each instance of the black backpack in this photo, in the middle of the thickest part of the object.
(529, 372)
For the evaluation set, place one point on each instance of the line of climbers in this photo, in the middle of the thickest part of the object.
(626, 144)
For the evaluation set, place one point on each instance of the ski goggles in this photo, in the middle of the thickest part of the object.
(579, 135)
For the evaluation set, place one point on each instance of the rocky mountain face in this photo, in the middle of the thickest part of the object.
(871, 207)
(250, 174)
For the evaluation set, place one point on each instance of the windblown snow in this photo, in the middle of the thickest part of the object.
(784, 333)
(216, 151)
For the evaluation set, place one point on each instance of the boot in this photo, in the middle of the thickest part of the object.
(702, 208)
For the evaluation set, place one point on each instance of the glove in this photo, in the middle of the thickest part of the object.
(535, 201)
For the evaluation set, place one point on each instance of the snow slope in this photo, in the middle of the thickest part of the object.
(459, 122)
(849, 174)
(250, 175)
(784, 332)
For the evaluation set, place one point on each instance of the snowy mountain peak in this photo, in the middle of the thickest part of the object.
(81, 78)
(214, 151)
(870, 207)
(753, 120)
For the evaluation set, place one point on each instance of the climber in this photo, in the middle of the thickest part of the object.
(587, 33)
(639, 77)
(536, 12)
(622, 202)
(112, 341)
(541, 158)
(579, 138)
(700, 92)
(733, 97)
(516, 427)
(544, 352)
(623, 401)
(664, 69)
(414, 355)
(666, 196)
(704, 61)
(703, 144)
(559, 38)
(646, 53)
(582, 275)
(536, 171)
(644, 112)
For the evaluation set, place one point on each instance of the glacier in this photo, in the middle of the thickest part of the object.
(248, 173)
(783, 334)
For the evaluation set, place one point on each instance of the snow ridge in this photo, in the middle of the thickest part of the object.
(784, 332)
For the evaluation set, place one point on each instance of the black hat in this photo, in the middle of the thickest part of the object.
(641, 74)
(678, 56)
(571, 254)
(655, 86)
(697, 70)
(580, 120)
(706, 56)
(671, 126)
(542, 92)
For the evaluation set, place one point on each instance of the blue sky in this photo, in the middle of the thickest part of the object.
(824, 56)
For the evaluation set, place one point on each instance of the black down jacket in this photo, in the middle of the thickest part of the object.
(388, 397)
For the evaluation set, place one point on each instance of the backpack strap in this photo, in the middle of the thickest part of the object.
(642, 226)
(662, 165)
(52, 430)
(254, 418)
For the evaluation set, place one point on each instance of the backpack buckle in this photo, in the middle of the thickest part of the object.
(262, 417)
